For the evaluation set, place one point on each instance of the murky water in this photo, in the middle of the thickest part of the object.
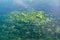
(29, 19)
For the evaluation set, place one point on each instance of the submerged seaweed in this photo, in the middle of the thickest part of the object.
(28, 25)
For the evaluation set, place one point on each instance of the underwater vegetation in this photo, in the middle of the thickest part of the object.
(28, 25)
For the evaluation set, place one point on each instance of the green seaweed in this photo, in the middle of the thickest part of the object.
(28, 25)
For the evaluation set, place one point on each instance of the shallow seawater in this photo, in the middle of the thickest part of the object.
(29, 20)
